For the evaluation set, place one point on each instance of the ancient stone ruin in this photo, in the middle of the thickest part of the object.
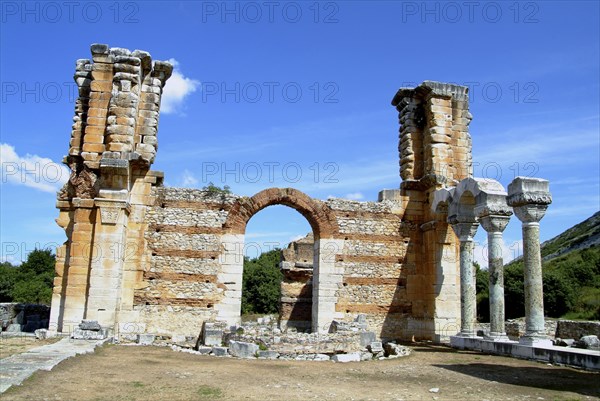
(142, 258)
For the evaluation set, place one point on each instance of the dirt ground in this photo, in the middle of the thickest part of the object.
(157, 373)
(17, 345)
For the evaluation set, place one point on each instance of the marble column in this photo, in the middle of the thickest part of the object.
(530, 198)
(465, 230)
(494, 225)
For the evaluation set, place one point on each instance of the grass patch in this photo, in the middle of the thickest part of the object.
(209, 393)
(137, 384)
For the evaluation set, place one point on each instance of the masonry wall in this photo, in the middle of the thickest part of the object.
(378, 264)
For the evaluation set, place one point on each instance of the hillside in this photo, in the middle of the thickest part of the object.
(583, 235)
(571, 274)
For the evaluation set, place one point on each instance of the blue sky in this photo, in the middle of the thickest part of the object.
(298, 94)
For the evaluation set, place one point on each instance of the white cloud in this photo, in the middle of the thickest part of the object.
(188, 179)
(177, 88)
(31, 171)
(354, 196)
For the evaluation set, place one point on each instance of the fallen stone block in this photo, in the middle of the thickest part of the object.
(375, 347)
(588, 342)
(90, 325)
(13, 328)
(565, 342)
(394, 350)
(41, 334)
(242, 350)
(321, 357)
(219, 351)
(204, 350)
(145, 339)
(366, 356)
(268, 354)
(80, 334)
(352, 357)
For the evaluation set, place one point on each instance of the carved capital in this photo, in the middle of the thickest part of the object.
(465, 230)
(531, 213)
(494, 223)
(110, 209)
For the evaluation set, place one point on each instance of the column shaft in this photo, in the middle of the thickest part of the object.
(496, 284)
(468, 303)
(534, 290)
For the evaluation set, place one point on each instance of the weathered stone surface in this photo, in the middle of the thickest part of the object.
(242, 350)
(90, 325)
(41, 334)
(80, 334)
(353, 357)
(267, 354)
(219, 351)
(367, 338)
(588, 342)
(375, 347)
(396, 350)
(145, 339)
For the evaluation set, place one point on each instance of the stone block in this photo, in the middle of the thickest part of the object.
(212, 335)
(396, 350)
(13, 328)
(204, 350)
(219, 351)
(375, 347)
(80, 334)
(352, 357)
(145, 339)
(366, 338)
(268, 354)
(588, 342)
(90, 325)
(41, 334)
(242, 349)
(101, 86)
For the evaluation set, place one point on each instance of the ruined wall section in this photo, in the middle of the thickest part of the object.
(179, 287)
(376, 262)
(295, 305)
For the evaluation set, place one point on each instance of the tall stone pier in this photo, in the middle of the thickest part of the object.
(102, 206)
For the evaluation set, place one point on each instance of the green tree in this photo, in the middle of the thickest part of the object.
(33, 280)
(514, 291)
(261, 288)
(483, 296)
(8, 277)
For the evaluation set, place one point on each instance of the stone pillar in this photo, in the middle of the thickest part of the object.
(465, 230)
(530, 198)
(327, 281)
(494, 214)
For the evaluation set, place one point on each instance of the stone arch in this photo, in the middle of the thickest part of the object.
(316, 212)
(469, 194)
(326, 279)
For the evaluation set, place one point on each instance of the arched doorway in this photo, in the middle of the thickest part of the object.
(325, 277)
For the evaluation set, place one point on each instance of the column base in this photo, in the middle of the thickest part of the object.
(537, 341)
(468, 334)
(465, 342)
(499, 337)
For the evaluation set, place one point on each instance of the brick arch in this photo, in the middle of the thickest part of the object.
(319, 215)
